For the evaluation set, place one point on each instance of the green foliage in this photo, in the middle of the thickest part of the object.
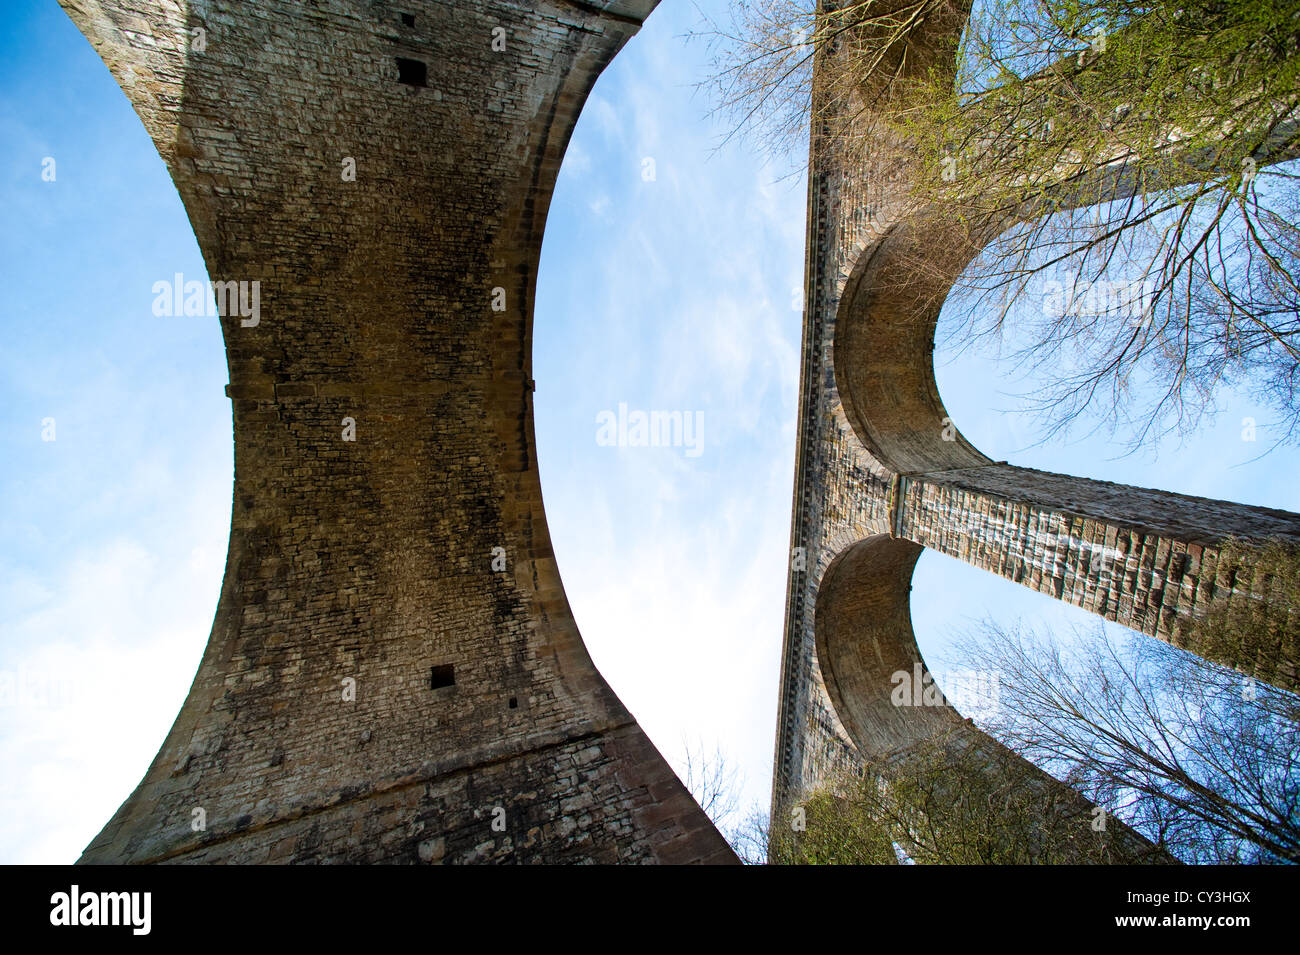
(960, 800)
(839, 830)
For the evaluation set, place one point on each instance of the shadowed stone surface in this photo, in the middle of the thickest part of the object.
(402, 301)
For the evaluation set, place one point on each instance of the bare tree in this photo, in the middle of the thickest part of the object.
(715, 783)
(751, 838)
(1194, 755)
(1122, 165)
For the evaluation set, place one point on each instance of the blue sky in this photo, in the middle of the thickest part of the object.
(672, 293)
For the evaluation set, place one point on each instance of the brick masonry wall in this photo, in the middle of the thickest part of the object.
(840, 496)
(878, 455)
(1133, 555)
(397, 303)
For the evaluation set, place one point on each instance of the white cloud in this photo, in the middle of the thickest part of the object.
(100, 664)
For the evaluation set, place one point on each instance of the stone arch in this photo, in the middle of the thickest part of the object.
(864, 636)
(867, 652)
(1139, 556)
(883, 356)
(873, 457)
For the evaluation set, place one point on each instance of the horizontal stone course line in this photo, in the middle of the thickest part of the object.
(429, 772)
(604, 13)
(346, 389)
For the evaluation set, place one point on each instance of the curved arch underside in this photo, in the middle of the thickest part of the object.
(864, 637)
(374, 561)
(893, 712)
(882, 472)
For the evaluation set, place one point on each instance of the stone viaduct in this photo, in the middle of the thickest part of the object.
(393, 674)
(881, 474)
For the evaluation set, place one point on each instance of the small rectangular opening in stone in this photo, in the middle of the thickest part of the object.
(442, 675)
(408, 19)
(412, 72)
(514, 702)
